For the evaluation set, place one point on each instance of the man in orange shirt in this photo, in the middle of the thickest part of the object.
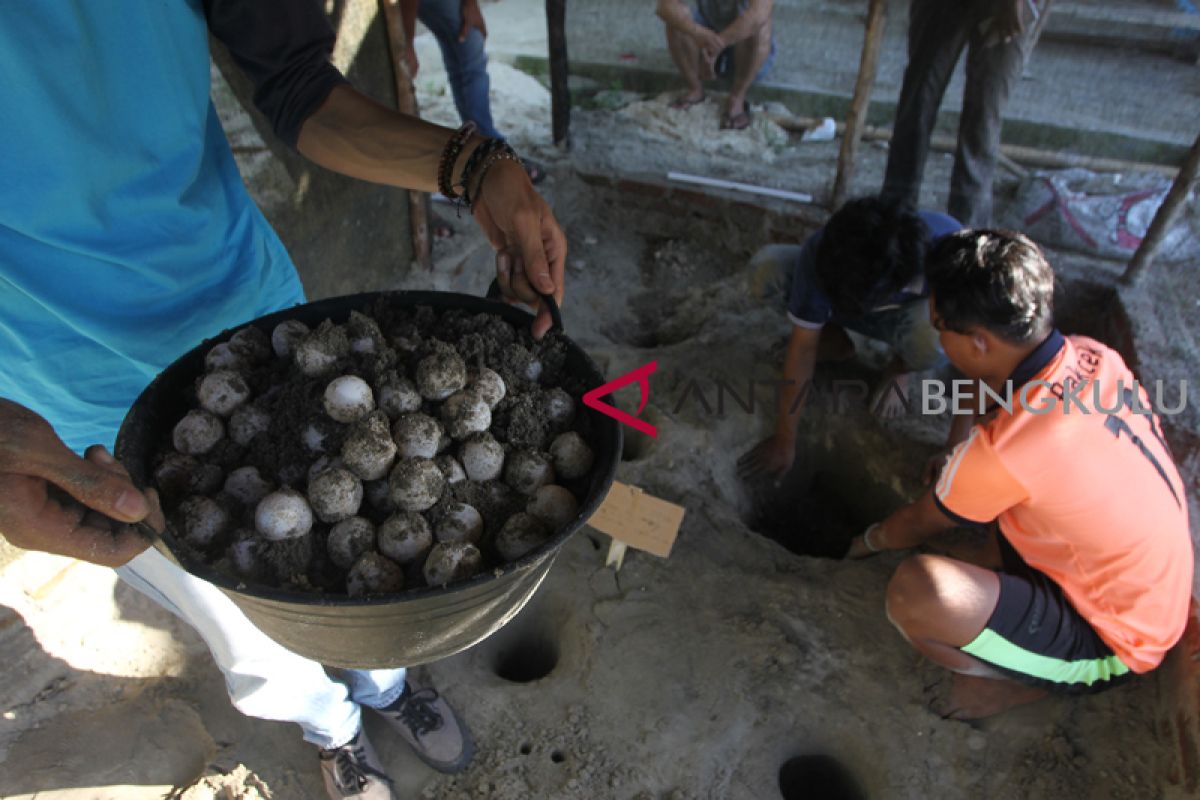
(1069, 469)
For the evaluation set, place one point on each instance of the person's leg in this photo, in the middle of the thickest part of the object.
(466, 62)
(937, 33)
(686, 56)
(749, 58)
(995, 628)
(992, 69)
(264, 679)
(770, 271)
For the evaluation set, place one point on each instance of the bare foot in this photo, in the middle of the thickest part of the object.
(685, 101)
(969, 697)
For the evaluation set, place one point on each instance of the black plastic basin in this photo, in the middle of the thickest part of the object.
(403, 629)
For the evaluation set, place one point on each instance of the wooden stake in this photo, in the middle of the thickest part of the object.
(560, 92)
(1165, 216)
(867, 68)
(406, 103)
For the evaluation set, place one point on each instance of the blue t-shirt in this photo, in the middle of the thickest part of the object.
(809, 305)
(126, 233)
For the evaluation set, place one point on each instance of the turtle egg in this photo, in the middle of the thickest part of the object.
(349, 539)
(369, 451)
(321, 464)
(247, 486)
(459, 522)
(559, 407)
(178, 474)
(528, 470)
(416, 484)
(482, 457)
(197, 433)
(521, 534)
(441, 375)
(316, 434)
(405, 537)
(398, 396)
(417, 436)
(246, 554)
(554, 505)
(203, 520)
(318, 353)
(287, 335)
(450, 468)
(283, 514)
(348, 398)
(374, 574)
(247, 422)
(487, 384)
(251, 344)
(335, 494)
(222, 391)
(364, 334)
(572, 456)
(223, 356)
(465, 413)
(452, 561)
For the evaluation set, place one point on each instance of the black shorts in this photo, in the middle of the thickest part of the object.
(1035, 636)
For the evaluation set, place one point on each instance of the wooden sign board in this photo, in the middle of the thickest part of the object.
(639, 520)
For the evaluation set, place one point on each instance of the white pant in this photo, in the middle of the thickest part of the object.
(264, 679)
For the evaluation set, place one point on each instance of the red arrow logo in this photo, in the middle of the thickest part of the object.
(641, 375)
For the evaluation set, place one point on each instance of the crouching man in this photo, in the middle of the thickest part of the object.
(1089, 574)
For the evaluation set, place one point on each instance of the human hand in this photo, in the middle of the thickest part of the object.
(531, 247)
(859, 549)
(772, 456)
(53, 501)
(1009, 22)
(709, 41)
(472, 18)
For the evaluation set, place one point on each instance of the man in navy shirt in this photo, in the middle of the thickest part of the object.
(864, 271)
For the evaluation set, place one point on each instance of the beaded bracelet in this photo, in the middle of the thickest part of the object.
(450, 154)
(507, 154)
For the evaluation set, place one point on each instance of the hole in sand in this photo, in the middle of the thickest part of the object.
(526, 658)
(818, 777)
(557, 757)
(526, 749)
(810, 513)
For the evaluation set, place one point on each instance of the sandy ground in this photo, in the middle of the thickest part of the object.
(693, 677)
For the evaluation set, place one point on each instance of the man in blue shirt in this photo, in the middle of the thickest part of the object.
(127, 237)
(864, 271)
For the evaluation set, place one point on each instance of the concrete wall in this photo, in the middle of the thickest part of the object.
(344, 235)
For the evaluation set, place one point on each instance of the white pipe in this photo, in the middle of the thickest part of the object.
(750, 188)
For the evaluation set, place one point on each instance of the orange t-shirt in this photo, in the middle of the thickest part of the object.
(1093, 500)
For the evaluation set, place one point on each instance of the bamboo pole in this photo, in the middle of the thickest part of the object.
(406, 102)
(867, 68)
(1165, 216)
(560, 93)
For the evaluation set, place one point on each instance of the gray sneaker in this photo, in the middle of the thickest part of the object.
(353, 772)
(430, 726)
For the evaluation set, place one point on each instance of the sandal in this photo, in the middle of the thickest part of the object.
(737, 122)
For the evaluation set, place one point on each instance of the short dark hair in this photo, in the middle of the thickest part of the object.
(995, 279)
(870, 249)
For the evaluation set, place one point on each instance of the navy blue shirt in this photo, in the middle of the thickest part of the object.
(809, 305)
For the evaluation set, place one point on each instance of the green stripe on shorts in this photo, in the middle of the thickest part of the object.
(993, 648)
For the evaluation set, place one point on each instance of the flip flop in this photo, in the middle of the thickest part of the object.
(737, 122)
(683, 103)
